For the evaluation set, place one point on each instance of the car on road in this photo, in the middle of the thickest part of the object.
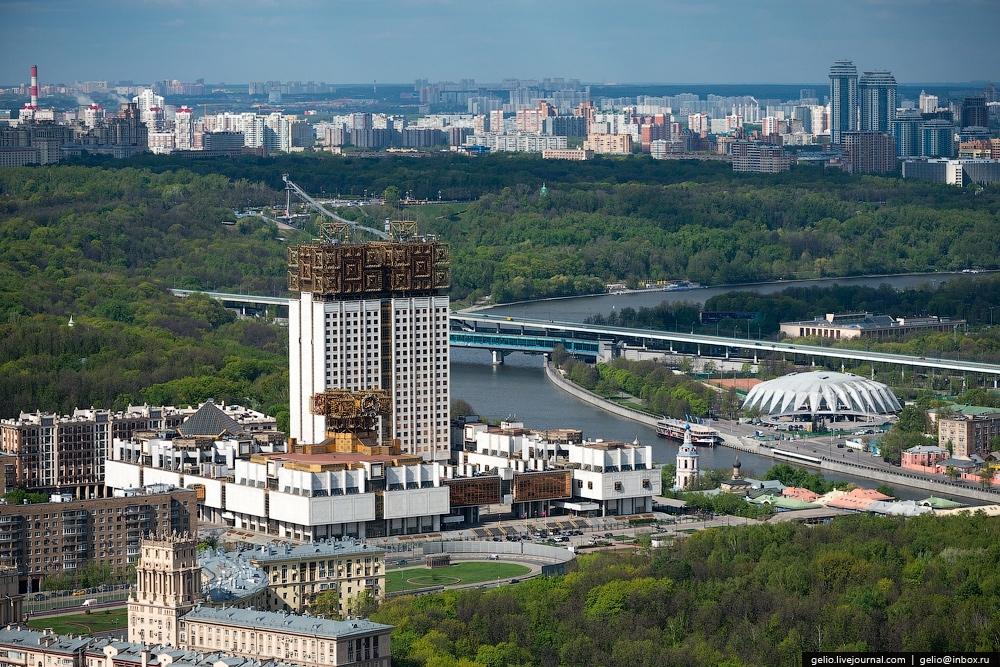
(609, 535)
(515, 581)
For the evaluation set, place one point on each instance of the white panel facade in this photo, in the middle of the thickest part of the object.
(160, 476)
(323, 510)
(286, 507)
(245, 499)
(120, 475)
(357, 507)
(421, 387)
(417, 502)
(213, 490)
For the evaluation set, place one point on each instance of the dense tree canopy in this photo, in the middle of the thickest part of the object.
(102, 246)
(758, 595)
(101, 240)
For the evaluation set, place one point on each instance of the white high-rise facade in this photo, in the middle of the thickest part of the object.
(396, 340)
(183, 130)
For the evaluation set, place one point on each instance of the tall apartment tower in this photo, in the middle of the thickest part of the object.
(877, 91)
(168, 585)
(183, 129)
(372, 316)
(843, 99)
(975, 113)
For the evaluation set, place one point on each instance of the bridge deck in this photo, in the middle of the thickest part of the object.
(530, 335)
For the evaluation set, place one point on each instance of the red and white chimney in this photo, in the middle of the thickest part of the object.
(34, 86)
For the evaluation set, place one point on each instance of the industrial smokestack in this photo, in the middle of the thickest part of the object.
(34, 86)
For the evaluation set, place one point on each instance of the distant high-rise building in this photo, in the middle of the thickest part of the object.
(937, 138)
(975, 112)
(757, 156)
(906, 131)
(496, 121)
(877, 91)
(147, 100)
(868, 152)
(843, 99)
(183, 130)
(928, 103)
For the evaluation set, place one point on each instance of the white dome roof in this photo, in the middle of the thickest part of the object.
(822, 392)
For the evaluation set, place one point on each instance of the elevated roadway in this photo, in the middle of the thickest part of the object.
(504, 334)
(512, 326)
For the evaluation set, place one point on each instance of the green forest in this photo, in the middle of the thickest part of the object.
(102, 246)
(756, 595)
(102, 240)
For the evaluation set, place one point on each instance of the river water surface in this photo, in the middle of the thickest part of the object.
(519, 388)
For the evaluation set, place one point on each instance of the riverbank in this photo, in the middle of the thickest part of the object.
(778, 284)
(763, 449)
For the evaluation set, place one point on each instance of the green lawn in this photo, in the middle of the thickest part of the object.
(102, 619)
(465, 573)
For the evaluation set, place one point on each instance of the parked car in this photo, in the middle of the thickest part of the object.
(609, 535)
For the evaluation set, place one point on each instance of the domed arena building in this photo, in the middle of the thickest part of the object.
(823, 397)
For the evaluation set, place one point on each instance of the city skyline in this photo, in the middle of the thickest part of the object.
(403, 40)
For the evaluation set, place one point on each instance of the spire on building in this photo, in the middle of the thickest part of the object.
(687, 462)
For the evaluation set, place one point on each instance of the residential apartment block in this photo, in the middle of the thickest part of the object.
(968, 435)
(608, 144)
(759, 157)
(67, 453)
(46, 538)
(295, 575)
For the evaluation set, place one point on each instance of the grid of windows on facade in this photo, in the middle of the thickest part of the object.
(276, 645)
(421, 374)
(368, 645)
(352, 348)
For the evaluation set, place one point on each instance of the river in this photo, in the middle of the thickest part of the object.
(519, 388)
(576, 309)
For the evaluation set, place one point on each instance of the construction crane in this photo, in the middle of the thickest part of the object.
(337, 226)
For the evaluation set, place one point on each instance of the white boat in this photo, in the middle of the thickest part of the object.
(701, 435)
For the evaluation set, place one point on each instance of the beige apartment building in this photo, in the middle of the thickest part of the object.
(297, 574)
(47, 538)
(968, 434)
(609, 144)
(165, 609)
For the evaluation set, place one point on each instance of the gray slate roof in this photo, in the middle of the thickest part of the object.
(209, 421)
(279, 622)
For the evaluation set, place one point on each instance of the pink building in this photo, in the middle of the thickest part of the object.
(923, 458)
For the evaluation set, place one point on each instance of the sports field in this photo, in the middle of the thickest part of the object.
(474, 572)
(101, 619)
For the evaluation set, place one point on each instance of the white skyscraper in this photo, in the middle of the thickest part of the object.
(373, 316)
(183, 130)
(148, 100)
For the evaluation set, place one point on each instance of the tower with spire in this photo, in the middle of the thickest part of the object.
(687, 462)
(168, 585)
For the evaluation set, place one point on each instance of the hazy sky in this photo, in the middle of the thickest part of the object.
(356, 41)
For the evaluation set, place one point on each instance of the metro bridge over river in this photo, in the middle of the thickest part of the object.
(504, 334)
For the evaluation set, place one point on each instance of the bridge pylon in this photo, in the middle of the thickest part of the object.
(498, 356)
